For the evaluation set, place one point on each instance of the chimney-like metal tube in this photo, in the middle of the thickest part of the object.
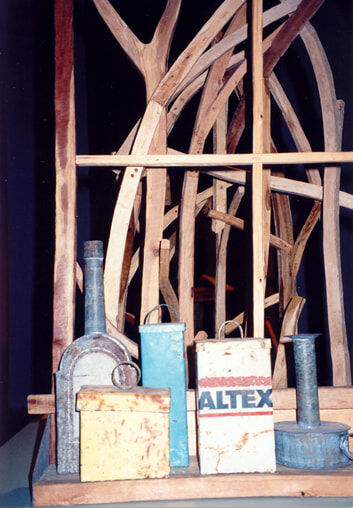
(306, 376)
(94, 290)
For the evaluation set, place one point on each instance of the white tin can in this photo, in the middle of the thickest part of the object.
(235, 414)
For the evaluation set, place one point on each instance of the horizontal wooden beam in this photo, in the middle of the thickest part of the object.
(285, 185)
(329, 398)
(207, 160)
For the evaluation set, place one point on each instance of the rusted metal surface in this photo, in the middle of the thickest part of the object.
(89, 360)
(310, 443)
(124, 434)
(235, 414)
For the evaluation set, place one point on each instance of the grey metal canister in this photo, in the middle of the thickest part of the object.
(308, 442)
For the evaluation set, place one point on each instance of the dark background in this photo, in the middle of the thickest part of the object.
(109, 99)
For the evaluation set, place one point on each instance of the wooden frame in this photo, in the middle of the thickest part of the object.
(146, 147)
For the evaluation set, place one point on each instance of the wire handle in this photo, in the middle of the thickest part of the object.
(147, 319)
(116, 375)
(344, 446)
(236, 324)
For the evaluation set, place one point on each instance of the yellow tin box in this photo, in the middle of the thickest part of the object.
(123, 434)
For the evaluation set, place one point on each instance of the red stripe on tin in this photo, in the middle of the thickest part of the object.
(257, 413)
(235, 381)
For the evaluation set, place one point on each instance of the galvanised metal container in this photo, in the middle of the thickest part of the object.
(163, 366)
(235, 414)
(310, 443)
(89, 360)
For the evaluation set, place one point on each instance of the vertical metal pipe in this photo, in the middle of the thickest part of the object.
(94, 291)
(306, 376)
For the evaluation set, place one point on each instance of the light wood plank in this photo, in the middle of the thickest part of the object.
(332, 113)
(258, 283)
(286, 185)
(205, 160)
(221, 264)
(275, 241)
(337, 398)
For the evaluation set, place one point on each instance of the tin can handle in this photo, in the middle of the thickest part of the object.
(236, 324)
(147, 319)
(116, 376)
(344, 446)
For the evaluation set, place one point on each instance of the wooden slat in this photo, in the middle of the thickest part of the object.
(275, 241)
(289, 327)
(329, 398)
(286, 185)
(205, 160)
(258, 285)
(332, 113)
(167, 290)
(221, 264)
(154, 60)
(232, 40)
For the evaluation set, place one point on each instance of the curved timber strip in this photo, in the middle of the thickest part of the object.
(189, 193)
(155, 107)
(332, 257)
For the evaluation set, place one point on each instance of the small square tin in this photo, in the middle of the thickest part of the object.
(124, 434)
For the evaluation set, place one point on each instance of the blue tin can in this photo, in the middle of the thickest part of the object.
(163, 366)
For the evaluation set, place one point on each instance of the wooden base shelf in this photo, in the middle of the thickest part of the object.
(54, 489)
(49, 488)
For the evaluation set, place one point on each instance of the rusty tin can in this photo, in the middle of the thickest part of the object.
(235, 414)
(124, 433)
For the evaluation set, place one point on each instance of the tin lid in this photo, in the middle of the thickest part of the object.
(162, 328)
(111, 398)
(237, 343)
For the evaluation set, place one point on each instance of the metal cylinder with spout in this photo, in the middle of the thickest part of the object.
(89, 360)
(309, 443)
(94, 291)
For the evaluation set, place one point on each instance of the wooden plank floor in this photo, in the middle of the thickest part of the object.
(187, 483)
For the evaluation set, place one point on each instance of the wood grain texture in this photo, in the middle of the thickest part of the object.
(231, 40)
(332, 118)
(206, 160)
(167, 290)
(330, 397)
(275, 241)
(304, 12)
(154, 60)
(289, 327)
(285, 185)
(65, 191)
(258, 275)
(221, 263)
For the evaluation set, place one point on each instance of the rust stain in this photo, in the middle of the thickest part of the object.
(262, 432)
(240, 444)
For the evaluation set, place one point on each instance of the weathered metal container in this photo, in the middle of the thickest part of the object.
(163, 365)
(124, 434)
(88, 360)
(235, 415)
(310, 443)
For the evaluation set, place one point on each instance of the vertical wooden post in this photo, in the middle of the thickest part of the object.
(65, 193)
(218, 227)
(257, 184)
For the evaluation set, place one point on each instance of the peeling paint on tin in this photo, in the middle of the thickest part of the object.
(235, 414)
(124, 444)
